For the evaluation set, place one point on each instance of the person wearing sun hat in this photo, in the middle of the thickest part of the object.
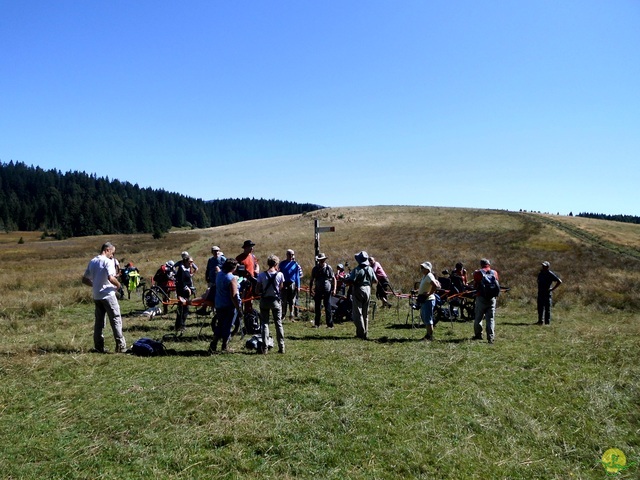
(546, 280)
(361, 278)
(321, 286)
(427, 297)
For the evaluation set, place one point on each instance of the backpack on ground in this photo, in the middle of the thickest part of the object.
(489, 285)
(146, 347)
(255, 343)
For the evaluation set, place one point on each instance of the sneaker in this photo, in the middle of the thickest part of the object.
(476, 337)
(490, 340)
(121, 349)
(427, 338)
(281, 350)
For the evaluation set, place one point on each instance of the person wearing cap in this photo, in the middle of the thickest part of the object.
(193, 268)
(485, 307)
(321, 286)
(383, 285)
(427, 297)
(184, 290)
(100, 275)
(341, 276)
(214, 265)
(292, 272)
(548, 281)
(361, 278)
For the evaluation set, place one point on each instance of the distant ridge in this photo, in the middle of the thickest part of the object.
(614, 218)
(78, 204)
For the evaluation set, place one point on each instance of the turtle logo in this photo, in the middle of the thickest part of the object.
(614, 461)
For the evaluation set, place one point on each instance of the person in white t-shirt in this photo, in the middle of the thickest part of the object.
(101, 276)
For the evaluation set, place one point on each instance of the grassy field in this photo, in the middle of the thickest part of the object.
(539, 403)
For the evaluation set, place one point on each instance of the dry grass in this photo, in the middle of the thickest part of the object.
(40, 275)
(540, 403)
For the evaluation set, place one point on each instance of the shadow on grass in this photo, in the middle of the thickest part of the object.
(518, 324)
(405, 326)
(391, 341)
(172, 337)
(317, 337)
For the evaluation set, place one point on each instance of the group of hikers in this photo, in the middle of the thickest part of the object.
(234, 283)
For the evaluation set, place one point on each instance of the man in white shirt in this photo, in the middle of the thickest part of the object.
(101, 276)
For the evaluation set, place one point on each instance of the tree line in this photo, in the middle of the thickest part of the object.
(78, 204)
(615, 218)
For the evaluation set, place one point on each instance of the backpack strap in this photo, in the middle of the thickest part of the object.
(271, 282)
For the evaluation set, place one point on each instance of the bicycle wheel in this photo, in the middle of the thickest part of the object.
(468, 309)
(151, 298)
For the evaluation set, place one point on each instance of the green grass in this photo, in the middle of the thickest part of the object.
(540, 403)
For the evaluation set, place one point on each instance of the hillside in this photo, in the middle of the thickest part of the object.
(539, 403)
(598, 260)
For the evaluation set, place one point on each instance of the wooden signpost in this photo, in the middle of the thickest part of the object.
(317, 231)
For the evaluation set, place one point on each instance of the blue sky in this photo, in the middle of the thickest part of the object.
(496, 104)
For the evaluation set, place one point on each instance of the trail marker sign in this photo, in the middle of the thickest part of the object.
(317, 231)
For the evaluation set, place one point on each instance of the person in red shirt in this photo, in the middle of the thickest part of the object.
(250, 263)
(248, 259)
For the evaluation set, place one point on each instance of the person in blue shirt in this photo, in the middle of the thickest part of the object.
(227, 302)
(292, 272)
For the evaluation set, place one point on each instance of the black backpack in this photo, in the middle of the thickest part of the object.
(489, 285)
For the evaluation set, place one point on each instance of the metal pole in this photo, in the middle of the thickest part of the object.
(317, 239)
